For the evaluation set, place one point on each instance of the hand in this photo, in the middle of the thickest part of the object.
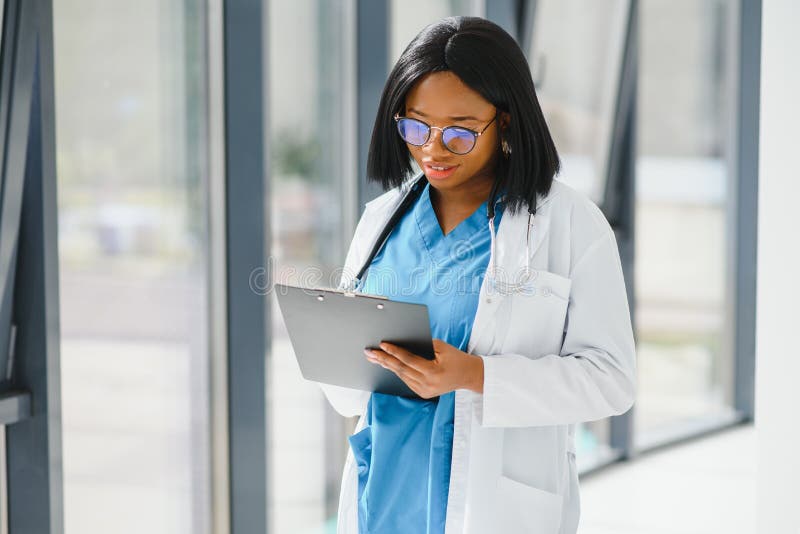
(450, 370)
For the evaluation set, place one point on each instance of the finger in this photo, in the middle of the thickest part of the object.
(414, 386)
(410, 359)
(415, 380)
(397, 366)
(406, 374)
(419, 387)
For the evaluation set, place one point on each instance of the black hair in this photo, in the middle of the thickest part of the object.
(488, 60)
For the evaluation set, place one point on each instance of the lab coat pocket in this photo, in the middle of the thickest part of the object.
(537, 315)
(525, 509)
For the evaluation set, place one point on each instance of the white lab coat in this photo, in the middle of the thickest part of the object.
(553, 357)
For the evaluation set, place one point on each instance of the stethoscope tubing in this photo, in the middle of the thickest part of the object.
(409, 197)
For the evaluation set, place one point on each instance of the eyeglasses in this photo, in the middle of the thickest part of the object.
(456, 139)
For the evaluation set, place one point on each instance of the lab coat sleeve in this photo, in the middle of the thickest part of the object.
(346, 401)
(594, 375)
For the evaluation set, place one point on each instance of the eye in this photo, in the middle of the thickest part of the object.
(459, 140)
(413, 131)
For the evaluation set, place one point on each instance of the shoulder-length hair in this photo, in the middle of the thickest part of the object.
(488, 60)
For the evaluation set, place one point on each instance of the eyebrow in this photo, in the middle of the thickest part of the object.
(458, 118)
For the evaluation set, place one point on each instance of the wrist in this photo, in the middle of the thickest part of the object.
(475, 382)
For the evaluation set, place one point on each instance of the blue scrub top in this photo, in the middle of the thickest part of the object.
(404, 452)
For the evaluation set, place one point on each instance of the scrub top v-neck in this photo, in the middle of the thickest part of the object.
(405, 450)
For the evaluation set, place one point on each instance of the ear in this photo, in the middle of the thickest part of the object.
(504, 119)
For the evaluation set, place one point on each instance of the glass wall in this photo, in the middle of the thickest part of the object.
(577, 80)
(311, 55)
(684, 216)
(131, 119)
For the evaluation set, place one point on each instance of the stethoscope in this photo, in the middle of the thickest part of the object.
(500, 286)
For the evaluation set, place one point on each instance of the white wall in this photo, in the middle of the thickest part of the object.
(778, 319)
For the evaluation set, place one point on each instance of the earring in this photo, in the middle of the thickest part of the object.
(506, 148)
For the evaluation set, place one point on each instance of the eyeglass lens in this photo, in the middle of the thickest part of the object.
(414, 132)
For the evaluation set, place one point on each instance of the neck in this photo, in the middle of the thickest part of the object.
(466, 197)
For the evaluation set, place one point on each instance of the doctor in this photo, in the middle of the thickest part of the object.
(524, 286)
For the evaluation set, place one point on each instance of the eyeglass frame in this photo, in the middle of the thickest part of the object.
(475, 134)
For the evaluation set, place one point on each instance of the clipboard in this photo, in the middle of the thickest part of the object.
(330, 328)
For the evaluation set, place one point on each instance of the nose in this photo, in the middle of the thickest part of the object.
(435, 144)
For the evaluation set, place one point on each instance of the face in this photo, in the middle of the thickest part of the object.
(441, 99)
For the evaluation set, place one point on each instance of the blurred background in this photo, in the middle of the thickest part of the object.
(653, 107)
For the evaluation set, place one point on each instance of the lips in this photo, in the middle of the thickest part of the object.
(438, 170)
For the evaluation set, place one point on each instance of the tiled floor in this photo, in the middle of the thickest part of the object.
(705, 486)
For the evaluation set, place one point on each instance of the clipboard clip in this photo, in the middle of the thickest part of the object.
(349, 292)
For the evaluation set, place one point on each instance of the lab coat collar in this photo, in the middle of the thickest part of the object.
(511, 233)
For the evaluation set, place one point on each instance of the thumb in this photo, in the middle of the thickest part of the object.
(439, 345)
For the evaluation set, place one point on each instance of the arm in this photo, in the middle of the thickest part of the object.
(593, 377)
(348, 402)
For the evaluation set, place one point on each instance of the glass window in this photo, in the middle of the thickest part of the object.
(407, 18)
(313, 176)
(577, 80)
(576, 56)
(131, 114)
(683, 216)
(2, 14)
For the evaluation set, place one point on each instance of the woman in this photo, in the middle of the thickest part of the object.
(525, 292)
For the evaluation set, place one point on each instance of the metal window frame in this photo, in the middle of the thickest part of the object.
(373, 29)
(219, 438)
(619, 200)
(247, 242)
(747, 101)
(30, 239)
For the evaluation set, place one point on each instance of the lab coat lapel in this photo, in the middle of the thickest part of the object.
(511, 260)
(376, 215)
